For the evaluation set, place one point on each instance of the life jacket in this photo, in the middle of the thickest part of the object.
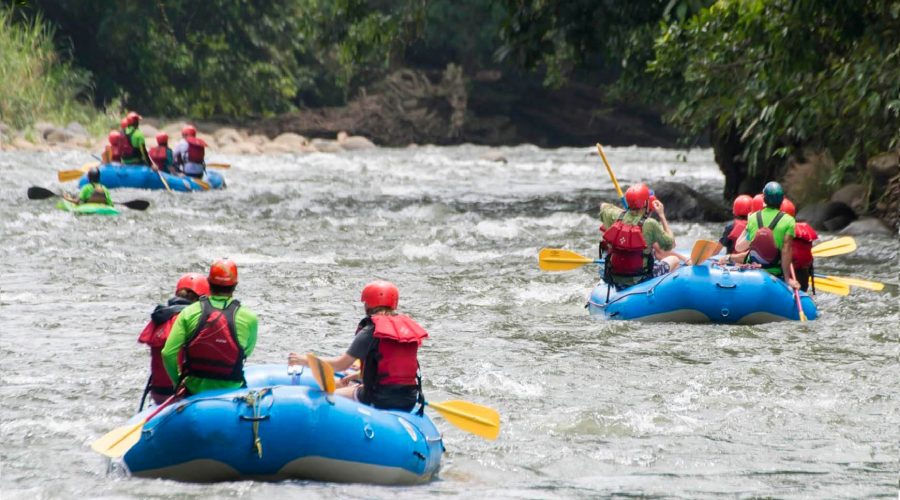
(154, 335)
(801, 247)
(736, 231)
(763, 249)
(392, 359)
(196, 149)
(126, 149)
(98, 196)
(160, 156)
(213, 350)
(627, 248)
(604, 246)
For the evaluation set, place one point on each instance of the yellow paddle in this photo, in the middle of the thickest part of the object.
(75, 174)
(470, 417)
(118, 441)
(612, 175)
(797, 297)
(557, 259)
(703, 249)
(861, 283)
(840, 246)
(829, 285)
(219, 165)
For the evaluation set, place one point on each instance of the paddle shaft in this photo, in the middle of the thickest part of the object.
(797, 296)
(612, 175)
(148, 417)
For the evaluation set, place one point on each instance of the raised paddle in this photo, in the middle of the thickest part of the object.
(703, 249)
(826, 284)
(797, 297)
(118, 441)
(75, 174)
(557, 259)
(839, 246)
(39, 193)
(612, 175)
(857, 282)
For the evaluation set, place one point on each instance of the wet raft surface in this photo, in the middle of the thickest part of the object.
(589, 407)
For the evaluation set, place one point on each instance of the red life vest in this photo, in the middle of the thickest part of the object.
(213, 350)
(155, 336)
(763, 249)
(736, 231)
(393, 359)
(627, 248)
(126, 150)
(801, 248)
(160, 156)
(196, 149)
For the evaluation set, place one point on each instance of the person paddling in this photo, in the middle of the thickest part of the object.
(190, 153)
(93, 191)
(112, 151)
(801, 249)
(631, 238)
(387, 345)
(212, 337)
(134, 150)
(162, 156)
(769, 237)
(733, 230)
(188, 290)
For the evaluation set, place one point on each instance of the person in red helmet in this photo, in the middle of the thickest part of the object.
(188, 290)
(112, 150)
(134, 150)
(632, 239)
(387, 344)
(757, 203)
(161, 156)
(741, 208)
(190, 153)
(212, 337)
(801, 248)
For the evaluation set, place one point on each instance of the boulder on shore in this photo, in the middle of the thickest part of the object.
(827, 216)
(867, 226)
(853, 195)
(683, 203)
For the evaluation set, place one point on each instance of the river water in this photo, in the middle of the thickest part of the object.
(589, 408)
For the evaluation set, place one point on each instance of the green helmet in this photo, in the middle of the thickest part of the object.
(773, 194)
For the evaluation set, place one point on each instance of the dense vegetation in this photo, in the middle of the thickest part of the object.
(760, 79)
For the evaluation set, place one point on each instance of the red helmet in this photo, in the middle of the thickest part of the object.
(189, 131)
(124, 123)
(114, 137)
(380, 294)
(758, 203)
(133, 118)
(637, 196)
(742, 205)
(162, 139)
(223, 272)
(194, 282)
(787, 206)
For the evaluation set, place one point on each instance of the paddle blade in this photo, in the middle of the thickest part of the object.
(323, 373)
(219, 165)
(39, 193)
(829, 285)
(836, 247)
(203, 184)
(136, 204)
(703, 249)
(470, 417)
(118, 441)
(69, 175)
(861, 283)
(557, 259)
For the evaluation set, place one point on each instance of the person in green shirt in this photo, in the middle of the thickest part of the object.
(632, 239)
(137, 153)
(769, 237)
(211, 338)
(93, 191)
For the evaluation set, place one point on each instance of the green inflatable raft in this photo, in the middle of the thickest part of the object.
(87, 208)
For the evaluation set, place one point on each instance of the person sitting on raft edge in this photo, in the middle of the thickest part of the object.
(631, 237)
(387, 344)
(211, 338)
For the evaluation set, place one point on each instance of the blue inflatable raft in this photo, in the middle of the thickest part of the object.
(703, 294)
(143, 177)
(283, 427)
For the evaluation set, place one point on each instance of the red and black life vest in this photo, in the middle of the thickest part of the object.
(627, 248)
(196, 149)
(392, 359)
(736, 231)
(763, 249)
(155, 335)
(801, 247)
(213, 350)
(126, 150)
(160, 156)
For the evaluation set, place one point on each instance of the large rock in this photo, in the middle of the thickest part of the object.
(685, 204)
(275, 148)
(240, 148)
(888, 207)
(228, 135)
(494, 155)
(868, 226)
(258, 139)
(57, 135)
(827, 216)
(295, 142)
(885, 165)
(355, 143)
(326, 146)
(806, 179)
(853, 195)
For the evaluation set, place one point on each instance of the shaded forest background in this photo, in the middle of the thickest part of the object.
(765, 82)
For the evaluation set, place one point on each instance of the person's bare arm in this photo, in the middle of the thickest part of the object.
(339, 363)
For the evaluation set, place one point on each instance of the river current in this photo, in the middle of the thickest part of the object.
(589, 407)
